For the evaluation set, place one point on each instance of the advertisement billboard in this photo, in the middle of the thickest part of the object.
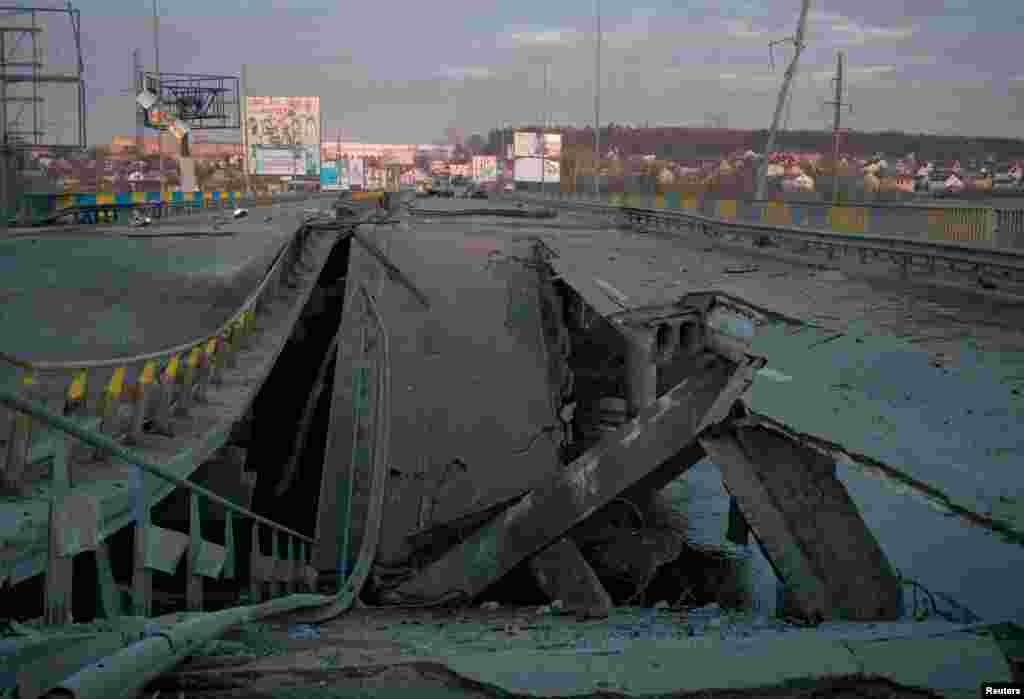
(285, 161)
(485, 168)
(528, 170)
(526, 144)
(553, 146)
(356, 173)
(343, 181)
(283, 134)
(329, 176)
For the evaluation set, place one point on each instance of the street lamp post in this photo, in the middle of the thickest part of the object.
(597, 101)
(543, 129)
(160, 128)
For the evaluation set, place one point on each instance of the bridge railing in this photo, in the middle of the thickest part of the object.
(119, 396)
(906, 251)
(985, 225)
(70, 533)
(120, 208)
(129, 669)
(48, 401)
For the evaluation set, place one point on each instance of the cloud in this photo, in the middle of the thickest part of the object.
(742, 29)
(465, 72)
(839, 29)
(540, 37)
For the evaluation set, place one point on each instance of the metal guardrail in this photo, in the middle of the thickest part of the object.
(129, 669)
(149, 386)
(99, 213)
(902, 250)
(956, 221)
(158, 389)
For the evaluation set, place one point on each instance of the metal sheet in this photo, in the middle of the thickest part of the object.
(164, 549)
(76, 525)
(210, 559)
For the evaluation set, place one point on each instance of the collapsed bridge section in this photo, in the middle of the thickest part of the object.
(633, 398)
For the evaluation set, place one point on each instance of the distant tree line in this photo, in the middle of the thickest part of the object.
(672, 143)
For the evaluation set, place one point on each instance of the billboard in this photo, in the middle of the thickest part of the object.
(356, 173)
(526, 144)
(438, 167)
(460, 169)
(284, 161)
(485, 168)
(553, 146)
(343, 180)
(528, 170)
(283, 134)
(329, 176)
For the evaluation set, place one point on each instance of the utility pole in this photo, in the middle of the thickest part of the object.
(544, 127)
(597, 102)
(160, 130)
(245, 130)
(798, 45)
(838, 104)
(140, 119)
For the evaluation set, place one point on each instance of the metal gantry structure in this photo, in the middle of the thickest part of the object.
(21, 66)
(22, 76)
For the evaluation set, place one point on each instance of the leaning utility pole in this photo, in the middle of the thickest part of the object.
(838, 104)
(798, 44)
(597, 102)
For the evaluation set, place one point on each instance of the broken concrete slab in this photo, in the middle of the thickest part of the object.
(807, 524)
(569, 496)
(563, 574)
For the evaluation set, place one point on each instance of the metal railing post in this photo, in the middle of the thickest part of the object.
(59, 567)
(18, 442)
(142, 576)
(194, 584)
(256, 567)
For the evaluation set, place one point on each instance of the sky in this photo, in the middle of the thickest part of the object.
(405, 71)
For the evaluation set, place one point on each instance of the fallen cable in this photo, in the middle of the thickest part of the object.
(393, 271)
(349, 593)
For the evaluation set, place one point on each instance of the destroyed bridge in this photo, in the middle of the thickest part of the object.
(326, 405)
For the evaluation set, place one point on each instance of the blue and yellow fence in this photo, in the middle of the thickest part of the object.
(114, 207)
(955, 224)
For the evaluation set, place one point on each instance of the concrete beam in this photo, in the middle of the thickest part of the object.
(563, 574)
(570, 495)
(807, 524)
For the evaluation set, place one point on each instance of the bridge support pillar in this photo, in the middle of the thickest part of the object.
(641, 370)
(807, 524)
(563, 574)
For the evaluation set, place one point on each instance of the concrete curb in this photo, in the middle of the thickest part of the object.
(952, 667)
